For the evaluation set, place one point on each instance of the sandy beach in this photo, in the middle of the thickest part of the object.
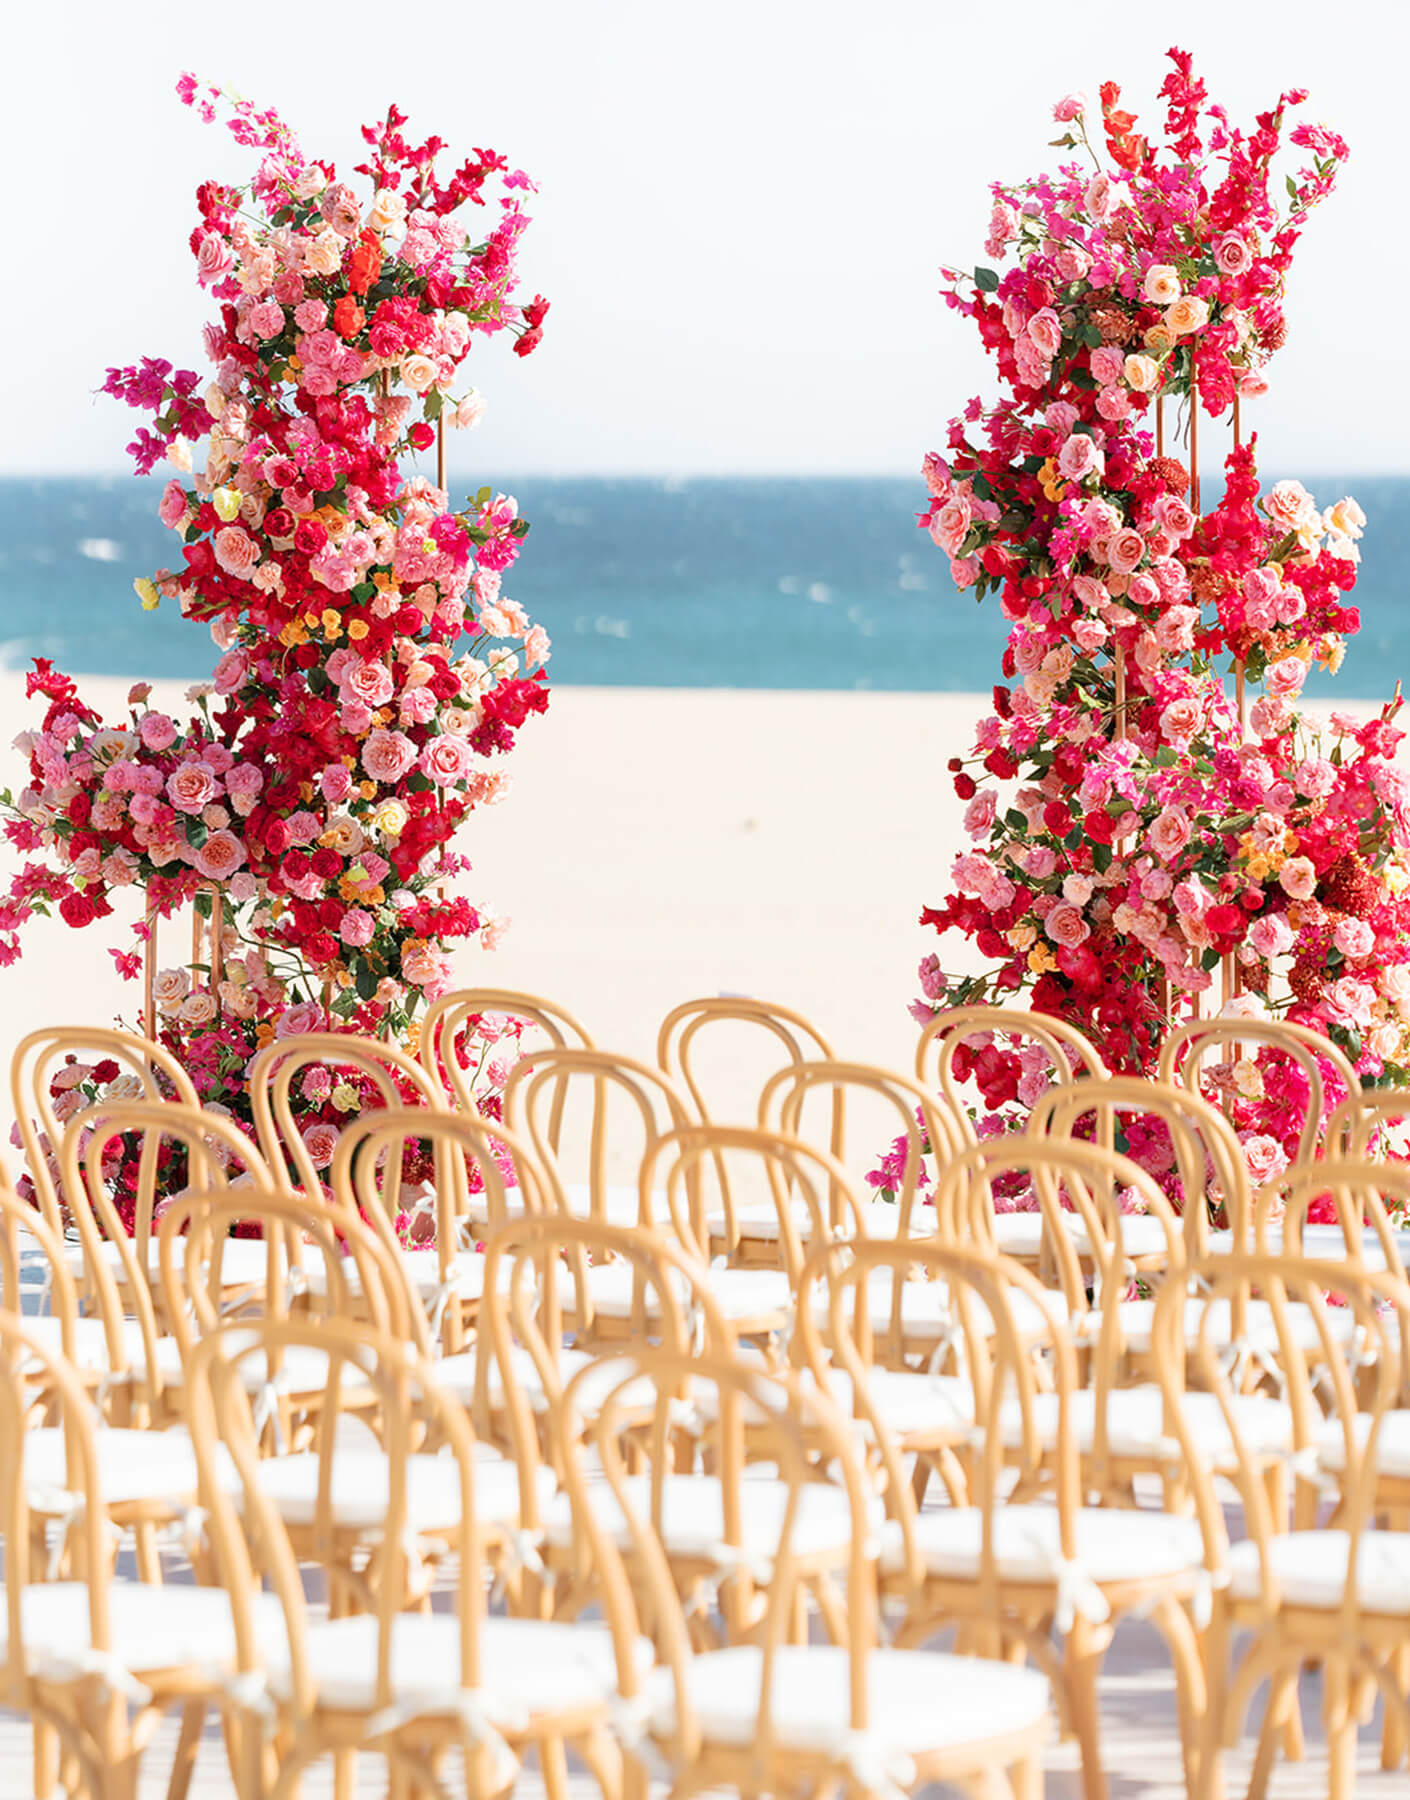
(656, 845)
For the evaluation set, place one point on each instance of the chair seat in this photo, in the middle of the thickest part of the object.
(1392, 1452)
(1020, 1234)
(621, 1205)
(1113, 1544)
(740, 1294)
(150, 1628)
(423, 1273)
(910, 1404)
(530, 1668)
(1135, 1423)
(359, 1490)
(244, 1262)
(90, 1340)
(456, 1374)
(917, 1701)
(1138, 1318)
(303, 1367)
(693, 1521)
(926, 1311)
(1311, 1569)
(1326, 1242)
(155, 1466)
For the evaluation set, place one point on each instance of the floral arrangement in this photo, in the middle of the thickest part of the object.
(372, 672)
(1134, 828)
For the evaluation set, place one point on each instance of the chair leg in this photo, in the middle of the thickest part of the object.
(1026, 1777)
(188, 1743)
(149, 1557)
(1082, 1661)
(46, 1759)
(1393, 1732)
(1282, 1700)
(553, 1766)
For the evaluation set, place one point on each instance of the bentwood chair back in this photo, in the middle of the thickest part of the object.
(1065, 1051)
(1361, 1194)
(212, 1144)
(391, 1078)
(435, 1249)
(452, 1022)
(926, 1130)
(73, 1053)
(1187, 1053)
(617, 1109)
(1360, 1125)
(1170, 1131)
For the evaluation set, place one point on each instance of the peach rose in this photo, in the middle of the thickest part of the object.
(1169, 833)
(171, 988)
(1265, 1157)
(321, 1142)
(198, 1008)
(1187, 314)
(236, 551)
(1161, 285)
(1141, 372)
(1298, 878)
(388, 755)
(1125, 549)
(220, 856)
(418, 372)
(1065, 926)
(191, 786)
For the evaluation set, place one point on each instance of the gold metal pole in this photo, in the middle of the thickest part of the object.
(1160, 424)
(149, 976)
(441, 453)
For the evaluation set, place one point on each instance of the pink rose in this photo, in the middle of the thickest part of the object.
(173, 505)
(321, 1142)
(302, 1016)
(979, 814)
(1271, 935)
(427, 969)
(1070, 107)
(356, 927)
(418, 706)
(1180, 720)
(1169, 833)
(1232, 254)
(1108, 365)
(1125, 549)
(447, 760)
(1079, 458)
(1066, 927)
(220, 856)
(191, 787)
(267, 319)
(388, 755)
(1354, 938)
(311, 315)
(335, 784)
(1045, 330)
(369, 682)
(1100, 198)
(1265, 1157)
(213, 258)
(1285, 677)
(157, 731)
(231, 671)
(236, 551)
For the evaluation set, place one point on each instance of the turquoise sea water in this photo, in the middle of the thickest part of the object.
(710, 582)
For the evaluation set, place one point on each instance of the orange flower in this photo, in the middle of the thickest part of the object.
(364, 266)
(348, 316)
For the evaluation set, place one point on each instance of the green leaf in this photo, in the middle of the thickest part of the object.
(1292, 188)
(986, 280)
(197, 831)
(1166, 757)
(1073, 838)
(1210, 959)
(1016, 822)
(1101, 857)
(1091, 336)
(365, 980)
(484, 496)
(435, 400)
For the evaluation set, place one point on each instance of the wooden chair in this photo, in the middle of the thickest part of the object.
(1356, 1124)
(447, 1019)
(413, 1687)
(925, 1128)
(783, 1038)
(1340, 1595)
(1185, 1054)
(775, 1715)
(151, 1370)
(625, 1106)
(1010, 1572)
(96, 1661)
(150, 1071)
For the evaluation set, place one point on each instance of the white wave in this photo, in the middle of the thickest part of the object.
(789, 584)
(614, 628)
(100, 549)
(820, 593)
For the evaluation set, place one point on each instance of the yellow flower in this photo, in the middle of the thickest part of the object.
(311, 620)
(1041, 960)
(390, 818)
(1022, 937)
(1048, 476)
(226, 502)
(368, 789)
(293, 633)
(345, 1097)
(146, 590)
(358, 628)
(332, 624)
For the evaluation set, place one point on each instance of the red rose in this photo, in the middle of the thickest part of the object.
(536, 311)
(306, 655)
(966, 787)
(529, 342)
(322, 947)
(444, 685)
(1057, 818)
(279, 523)
(1224, 921)
(326, 864)
(277, 837)
(77, 909)
(105, 1071)
(348, 317)
(310, 537)
(422, 436)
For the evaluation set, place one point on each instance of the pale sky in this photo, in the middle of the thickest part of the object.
(743, 206)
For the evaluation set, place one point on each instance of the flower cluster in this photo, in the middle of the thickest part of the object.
(1159, 828)
(372, 671)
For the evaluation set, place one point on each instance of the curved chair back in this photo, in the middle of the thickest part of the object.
(449, 1020)
(151, 1073)
(1070, 1054)
(1186, 1051)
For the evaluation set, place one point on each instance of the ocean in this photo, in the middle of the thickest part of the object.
(798, 582)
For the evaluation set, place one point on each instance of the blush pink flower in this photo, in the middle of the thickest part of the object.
(1079, 458)
(191, 787)
(1066, 927)
(357, 927)
(1169, 833)
(369, 682)
(387, 756)
(447, 760)
(321, 1142)
(1298, 878)
(1271, 935)
(236, 551)
(1125, 549)
(220, 856)
(157, 731)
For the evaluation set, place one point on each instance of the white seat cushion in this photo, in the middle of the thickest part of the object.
(909, 1403)
(738, 1293)
(529, 1667)
(1138, 1318)
(244, 1262)
(926, 1311)
(423, 1272)
(90, 1340)
(1311, 1569)
(1392, 1444)
(359, 1490)
(156, 1466)
(1112, 1544)
(1135, 1423)
(917, 1700)
(456, 1374)
(1326, 1242)
(693, 1524)
(150, 1628)
(303, 1367)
